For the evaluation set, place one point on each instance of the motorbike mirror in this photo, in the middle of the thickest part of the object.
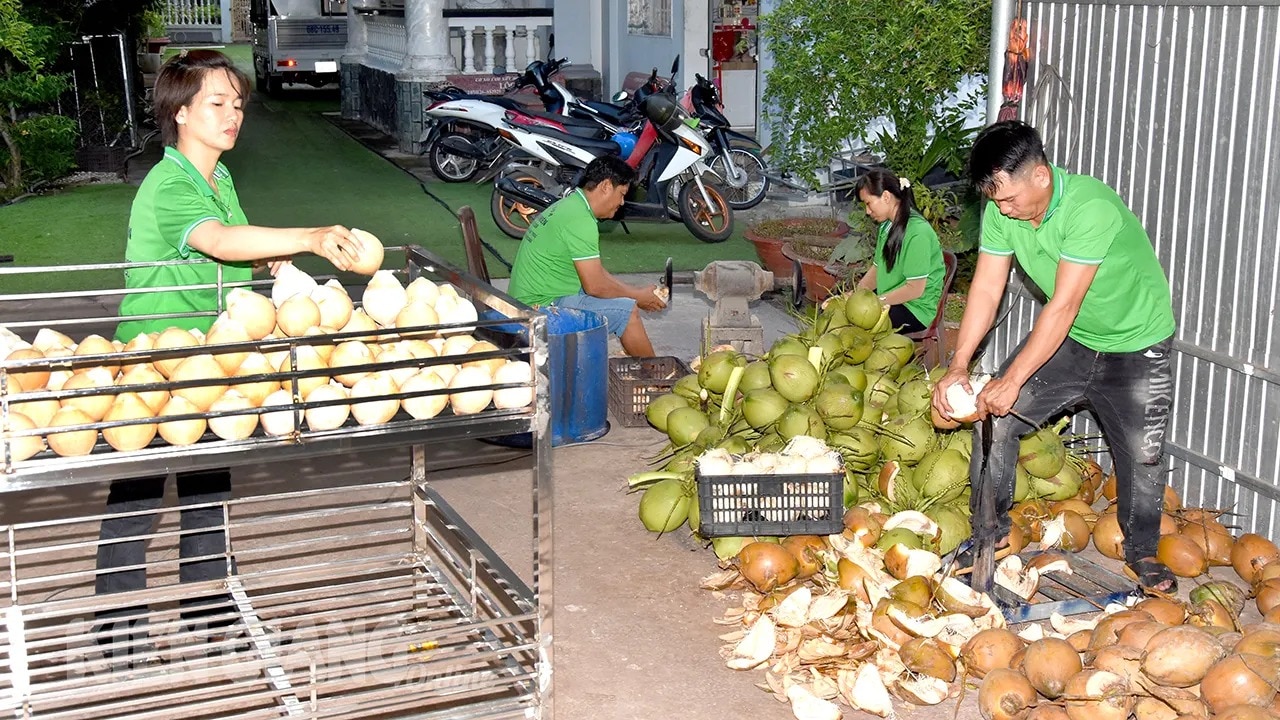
(798, 288)
(621, 96)
(675, 67)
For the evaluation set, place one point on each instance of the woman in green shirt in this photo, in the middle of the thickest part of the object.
(908, 272)
(187, 208)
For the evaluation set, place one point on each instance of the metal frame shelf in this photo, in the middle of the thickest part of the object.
(374, 600)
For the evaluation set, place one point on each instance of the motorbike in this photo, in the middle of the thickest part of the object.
(525, 188)
(737, 159)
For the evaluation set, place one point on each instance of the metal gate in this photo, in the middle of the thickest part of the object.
(198, 21)
(1172, 103)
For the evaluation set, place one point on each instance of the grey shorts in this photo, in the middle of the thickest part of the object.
(615, 311)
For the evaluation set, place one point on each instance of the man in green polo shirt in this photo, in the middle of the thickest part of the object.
(558, 262)
(1103, 338)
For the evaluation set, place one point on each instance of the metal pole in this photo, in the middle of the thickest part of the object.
(128, 92)
(1001, 16)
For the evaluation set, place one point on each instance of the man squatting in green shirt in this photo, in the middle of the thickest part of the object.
(1103, 337)
(558, 262)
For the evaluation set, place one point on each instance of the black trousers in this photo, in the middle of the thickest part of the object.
(903, 320)
(1131, 395)
(202, 535)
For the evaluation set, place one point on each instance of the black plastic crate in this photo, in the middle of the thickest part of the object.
(770, 505)
(635, 382)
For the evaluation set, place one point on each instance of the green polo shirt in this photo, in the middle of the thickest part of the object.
(920, 257)
(174, 198)
(564, 233)
(1128, 306)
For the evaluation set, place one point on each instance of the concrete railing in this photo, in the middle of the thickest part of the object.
(388, 42)
(482, 40)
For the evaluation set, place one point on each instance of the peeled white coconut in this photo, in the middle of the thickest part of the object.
(290, 281)
(454, 310)
(334, 305)
(805, 447)
(327, 417)
(277, 422)
(257, 313)
(964, 407)
(424, 407)
(422, 290)
(384, 297)
(716, 461)
(470, 402)
(826, 464)
(514, 371)
(369, 402)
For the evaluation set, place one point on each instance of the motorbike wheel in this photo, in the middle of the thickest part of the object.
(513, 218)
(712, 223)
(449, 167)
(757, 185)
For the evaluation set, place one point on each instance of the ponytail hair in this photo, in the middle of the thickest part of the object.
(878, 181)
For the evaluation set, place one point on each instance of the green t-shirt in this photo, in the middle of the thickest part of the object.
(919, 257)
(174, 198)
(564, 233)
(1128, 306)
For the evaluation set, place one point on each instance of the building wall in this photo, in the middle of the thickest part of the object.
(1173, 103)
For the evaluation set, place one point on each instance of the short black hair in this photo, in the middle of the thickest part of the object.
(180, 80)
(607, 167)
(1008, 146)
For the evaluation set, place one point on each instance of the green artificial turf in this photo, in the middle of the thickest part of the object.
(292, 167)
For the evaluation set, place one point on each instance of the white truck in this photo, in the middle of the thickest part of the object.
(297, 41)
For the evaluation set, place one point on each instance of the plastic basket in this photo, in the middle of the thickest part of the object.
(635, 382)
(770, 505)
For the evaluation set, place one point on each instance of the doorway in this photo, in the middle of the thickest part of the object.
(733, 51)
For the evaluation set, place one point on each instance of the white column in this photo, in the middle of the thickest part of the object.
(530, 43)
(469, 49)
(427, 33)
(510, 31)
(357, 36)
(488, 48)
(1001, 16)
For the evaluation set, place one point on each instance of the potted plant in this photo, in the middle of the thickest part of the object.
(154, 43)
(828, 263)
(768, 237)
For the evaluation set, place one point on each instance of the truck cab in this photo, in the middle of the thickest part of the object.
(297, 41)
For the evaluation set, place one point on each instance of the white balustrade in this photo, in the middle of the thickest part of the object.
(510, 29)
(187, 13)
(388, 42)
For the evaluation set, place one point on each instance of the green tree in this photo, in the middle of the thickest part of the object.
(840, 65)
(38, 144)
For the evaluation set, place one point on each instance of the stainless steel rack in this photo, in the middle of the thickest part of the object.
(376, 600)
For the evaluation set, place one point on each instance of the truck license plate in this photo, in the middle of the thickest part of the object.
(327, 66)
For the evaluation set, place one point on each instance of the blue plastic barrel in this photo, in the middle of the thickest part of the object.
(578, 362)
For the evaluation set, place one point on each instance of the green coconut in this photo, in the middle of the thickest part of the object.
(831, 346)
(794, 377)
(912, 371)
(901, 345)
(664, 506)
(762, 407)
(880, 388)
(1021, 484)
(917, 439)
(942, 475)
(958, 440)
(1062, 486)
(890, 408)
(716, 368)
(859, 446)
(688, 388)
(727, 548)
(684, 460)
(858, 344)
(856, 376)
(831, 318)
(850, 489)
(755, 377)
(801, 420)
(660, 407)
(1042, 452)
(789, 345)
(695, 514)
(915, 397)
(770, 442)
(709, 436)
(862, 307)
(953, 526)
(684, 424)
(883, 360)
(839, 405)
(900, 536)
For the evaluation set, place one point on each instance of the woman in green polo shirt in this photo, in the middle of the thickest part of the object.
(187, 208)
(908, 270)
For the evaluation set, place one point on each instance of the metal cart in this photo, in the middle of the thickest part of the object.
(385, 604)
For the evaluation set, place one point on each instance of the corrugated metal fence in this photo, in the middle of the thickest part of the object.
(1174, 105)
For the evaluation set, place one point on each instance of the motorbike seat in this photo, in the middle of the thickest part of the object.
(611, 113)
(498, 100)
(594, 146)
